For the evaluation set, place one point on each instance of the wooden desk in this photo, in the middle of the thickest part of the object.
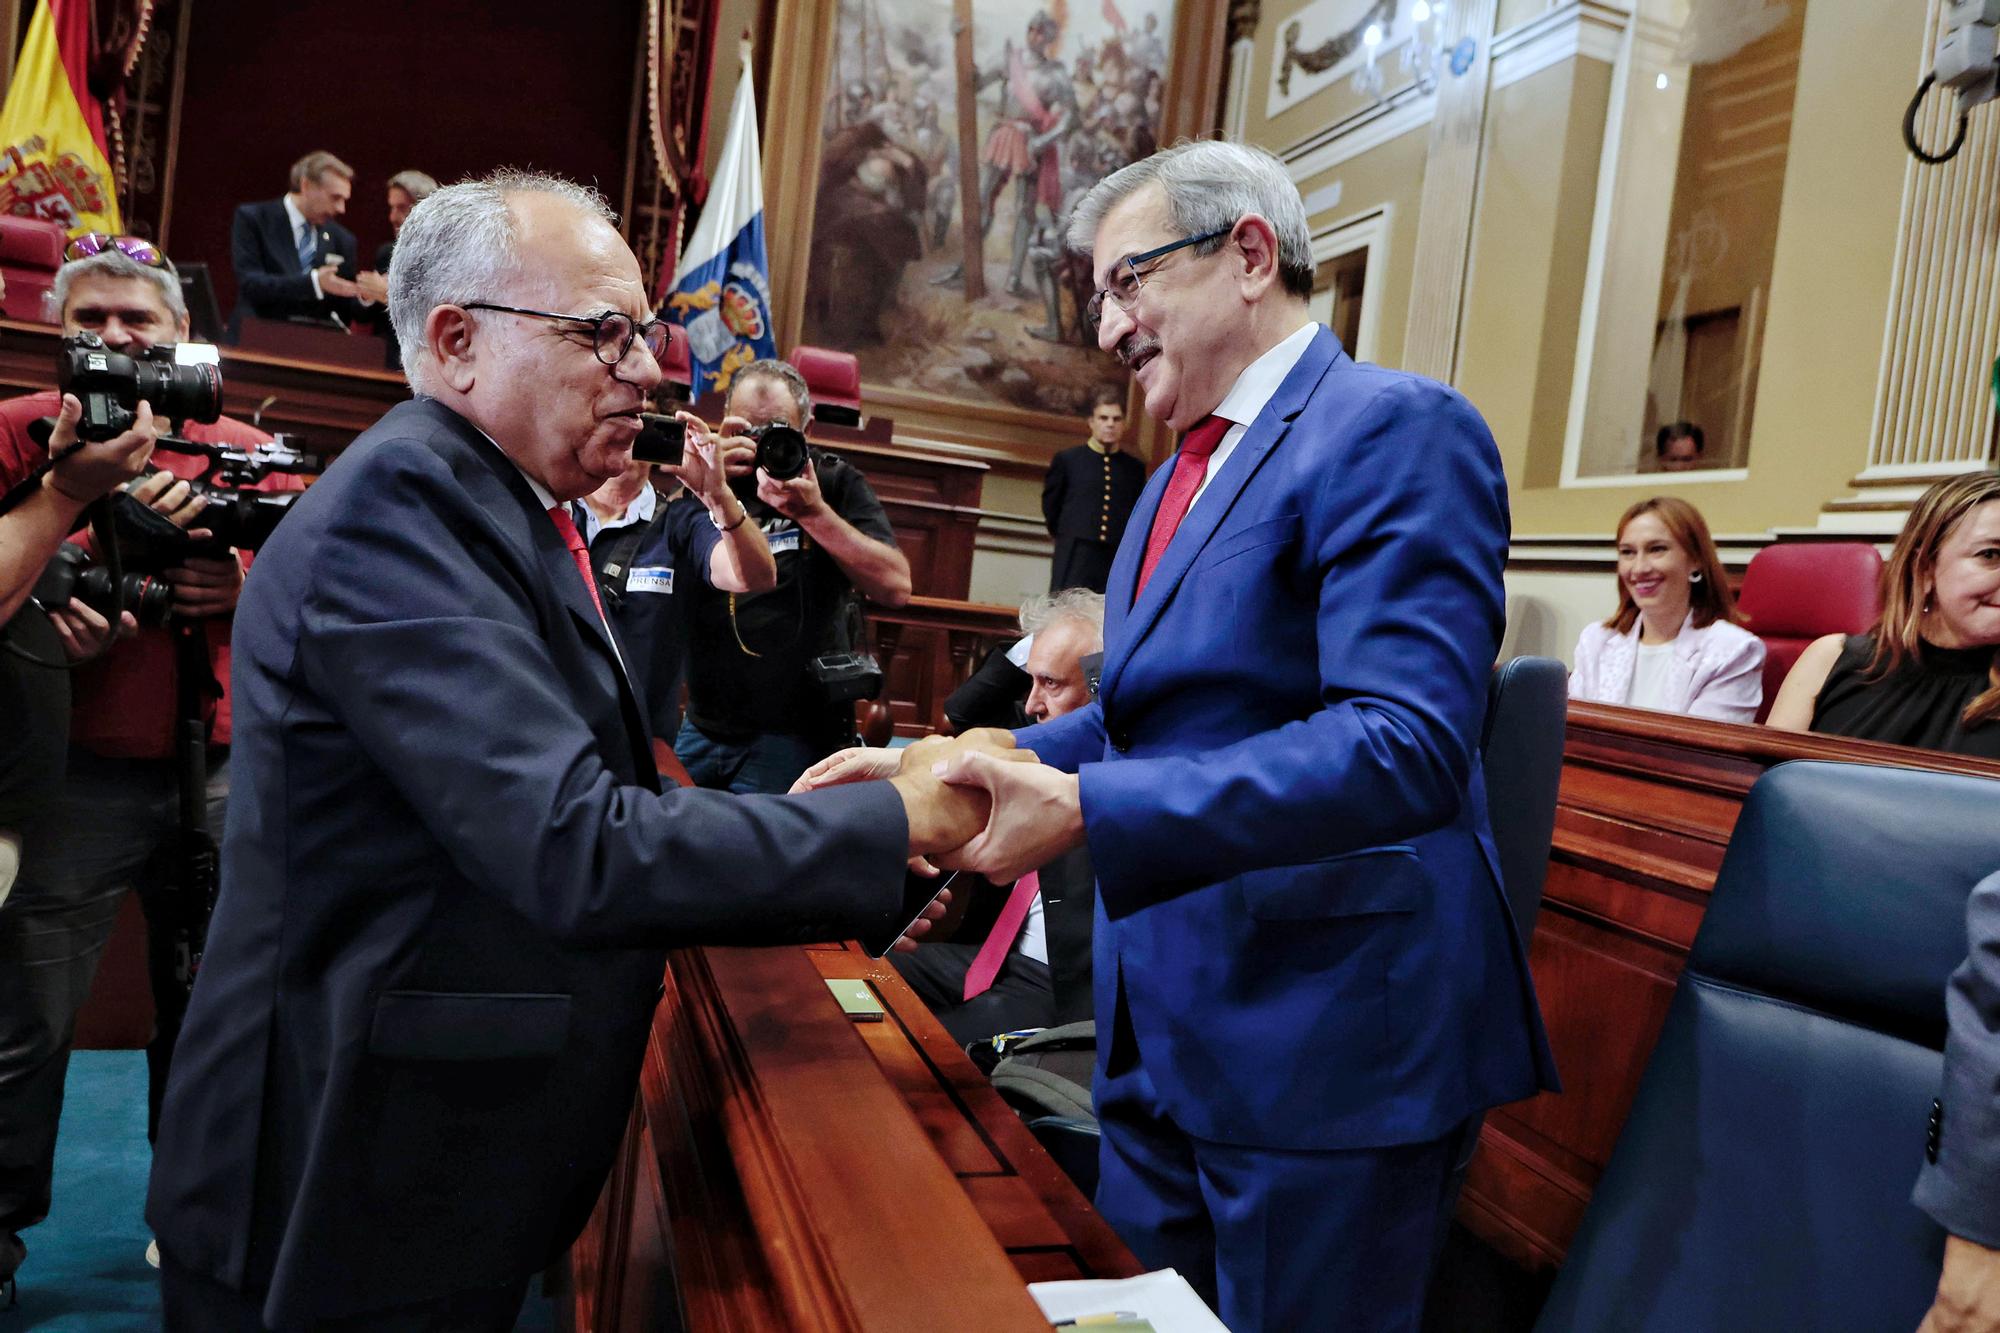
(928, 648)
(789, 1168)
(1647, 804)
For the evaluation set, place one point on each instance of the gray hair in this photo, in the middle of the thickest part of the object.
(112, 264)
(415, 184)
(460, 245)
(315, 165)
(1078, 604)
(1209, 184)
(786, 374)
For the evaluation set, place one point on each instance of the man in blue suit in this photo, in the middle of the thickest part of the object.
(1308, 982)
(449, 877)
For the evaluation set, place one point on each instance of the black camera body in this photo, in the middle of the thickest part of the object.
(846, 677)
(71, 574)
(111, 385)
(781, 449)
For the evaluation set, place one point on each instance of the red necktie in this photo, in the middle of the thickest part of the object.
(577, 552)
(986, 963)
(1190, 466)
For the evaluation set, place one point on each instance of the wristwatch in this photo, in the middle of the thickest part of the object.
(743, 512)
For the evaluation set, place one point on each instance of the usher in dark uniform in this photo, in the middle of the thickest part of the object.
(1086, 499)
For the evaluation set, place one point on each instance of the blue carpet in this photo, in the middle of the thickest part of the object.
(86, 1270)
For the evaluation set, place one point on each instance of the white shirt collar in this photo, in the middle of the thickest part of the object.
(1262, 378)
(641, 510)
(298, 218)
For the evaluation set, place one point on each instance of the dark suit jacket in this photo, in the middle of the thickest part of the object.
(1298, 895)
(269, 282)
(1069, 902)
(1960, 1183)
(448, 885)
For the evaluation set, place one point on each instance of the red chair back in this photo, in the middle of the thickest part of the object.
(835, 381)
(1795, 593)
(677, 369)
(31, 250)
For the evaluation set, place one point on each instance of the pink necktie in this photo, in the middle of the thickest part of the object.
(986, 963)
(1190, 466)
(577, 552)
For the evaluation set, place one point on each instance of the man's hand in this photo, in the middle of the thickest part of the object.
(908, 941)
(1968, 1294)
(167, 494)
(700, 468)
(207, 585)
(332, 284)
(798, 499)
(84, 633)
(940, 819)
(858, 763)
(1037, 813)
(739, 451)
(372, 287)
(98, 467)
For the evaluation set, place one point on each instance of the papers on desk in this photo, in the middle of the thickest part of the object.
(1162, 1300)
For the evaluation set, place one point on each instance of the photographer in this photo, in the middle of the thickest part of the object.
(757, 714)
(111, 823)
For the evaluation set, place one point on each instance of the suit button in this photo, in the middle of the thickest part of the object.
(1934, 1133)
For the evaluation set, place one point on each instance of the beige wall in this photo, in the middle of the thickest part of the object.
(1394, 175)
(1830, 282)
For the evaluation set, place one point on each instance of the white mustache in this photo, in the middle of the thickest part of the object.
(1135, 347)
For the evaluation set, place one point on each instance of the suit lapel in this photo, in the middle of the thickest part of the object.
(1210, 508)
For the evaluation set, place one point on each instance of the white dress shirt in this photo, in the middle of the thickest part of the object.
(1260, 380)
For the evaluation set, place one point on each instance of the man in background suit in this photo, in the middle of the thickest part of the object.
(1959, 1183)
(450, 878)
(292, 259)
(1088, 495)
(1308, 980)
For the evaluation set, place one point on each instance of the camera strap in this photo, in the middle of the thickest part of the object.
(39, 430)
(798, 587)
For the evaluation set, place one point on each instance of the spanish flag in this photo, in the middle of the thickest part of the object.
(53, 159)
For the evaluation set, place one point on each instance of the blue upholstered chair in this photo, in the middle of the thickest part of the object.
(1763, 1178)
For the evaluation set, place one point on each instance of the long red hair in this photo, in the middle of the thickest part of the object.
(1709, 599)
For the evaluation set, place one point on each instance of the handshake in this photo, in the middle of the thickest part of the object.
(975, 802)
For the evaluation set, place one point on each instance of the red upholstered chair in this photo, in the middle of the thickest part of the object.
(835, 381)
(31, 250)
(1793, 594)
(677, 370)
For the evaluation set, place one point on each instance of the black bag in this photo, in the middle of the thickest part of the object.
(1046, 1079)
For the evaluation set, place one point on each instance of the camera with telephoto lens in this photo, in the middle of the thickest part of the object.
(781, 449)
(71, 574)
(111, 385)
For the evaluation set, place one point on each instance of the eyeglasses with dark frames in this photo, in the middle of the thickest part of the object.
(135, 248)
(611, 333)
(1127, 280)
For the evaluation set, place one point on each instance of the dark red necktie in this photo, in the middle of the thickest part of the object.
(577, 552)
(1190, 466)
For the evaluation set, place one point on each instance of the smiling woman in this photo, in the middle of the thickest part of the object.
(1676, 642)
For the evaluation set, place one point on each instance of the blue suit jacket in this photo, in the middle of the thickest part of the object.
(1297, 887)
(448, 884)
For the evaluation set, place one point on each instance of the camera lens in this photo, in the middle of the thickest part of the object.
(181, 393)
(149, 599)
(781, 451)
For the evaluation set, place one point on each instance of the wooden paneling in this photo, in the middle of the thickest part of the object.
(790, 1168)
(928, 648)
(1647, 806)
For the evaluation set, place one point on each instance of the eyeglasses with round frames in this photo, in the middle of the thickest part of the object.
(1127, 280)
(611, 333)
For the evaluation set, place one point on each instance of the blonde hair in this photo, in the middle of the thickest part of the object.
(1709, 599)
(1905, 579)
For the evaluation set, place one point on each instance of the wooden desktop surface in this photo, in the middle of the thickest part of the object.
(789, 1167)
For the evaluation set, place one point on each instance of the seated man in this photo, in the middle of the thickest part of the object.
(110, 825)
(640, 542)
(292, 260)
(757, 716)
(1032, 970)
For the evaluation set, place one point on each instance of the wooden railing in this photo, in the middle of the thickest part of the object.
(928, 648)
(1648, 802)
(787, 1167)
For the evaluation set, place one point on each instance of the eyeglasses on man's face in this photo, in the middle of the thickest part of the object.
(1127, 280)
(611, 333)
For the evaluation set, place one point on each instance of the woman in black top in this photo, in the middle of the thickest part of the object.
(1928, 674)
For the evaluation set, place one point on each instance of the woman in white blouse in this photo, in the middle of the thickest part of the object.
(1676, 642)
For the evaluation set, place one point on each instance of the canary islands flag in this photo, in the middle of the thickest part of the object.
(53, 160)
(722, 289)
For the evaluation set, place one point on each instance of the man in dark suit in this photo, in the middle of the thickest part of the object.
(1308, 980)
(450, 878)
(292, 259)
(1959, 1184)
(1088, 495)
(1032, 968)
